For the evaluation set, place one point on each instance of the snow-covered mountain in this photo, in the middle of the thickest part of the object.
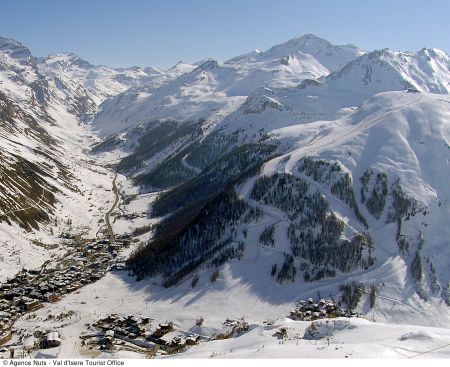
(214, 89)
(333, 95)
(203, 98)
(101, 81)
(307, 170)
(306, 54)
(45, 178)
(365, 146)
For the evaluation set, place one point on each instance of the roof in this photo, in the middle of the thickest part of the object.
(53, 336)
(109, 333)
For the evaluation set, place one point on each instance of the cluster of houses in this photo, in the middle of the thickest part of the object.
(138, 334)
(29, 289)
(312, 310)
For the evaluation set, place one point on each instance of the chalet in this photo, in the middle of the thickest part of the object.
(71, 289)
(29, 304)
(18, 292)
(108, 339)
(50, 297)
(118, 267)
(163, 329)
(35, 294)
(43, 288)
(95, 276)
(109, 333)
(5, 315)
(192, 339)
(172, 342)
(52, 340)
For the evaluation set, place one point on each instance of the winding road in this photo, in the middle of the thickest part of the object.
(108, 214)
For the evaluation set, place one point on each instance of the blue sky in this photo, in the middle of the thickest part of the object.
(160, 33)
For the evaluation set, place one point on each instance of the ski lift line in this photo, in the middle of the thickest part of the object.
(400, 302)
(428, 351)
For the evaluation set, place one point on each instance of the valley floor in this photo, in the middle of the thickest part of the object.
(117, 293)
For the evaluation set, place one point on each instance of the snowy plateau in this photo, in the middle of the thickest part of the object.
(287, 203)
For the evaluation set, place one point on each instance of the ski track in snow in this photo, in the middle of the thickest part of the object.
(188, 166)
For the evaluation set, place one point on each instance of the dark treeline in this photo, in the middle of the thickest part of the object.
(375, 201)
(267, 236)
(314, 232)
(403, 206)
(202, 213)
(169, 173)
(214, 179)
(156, 137)
(212, 148)
(205, 236)
(340, 182)
(288, 271)
(352, 294)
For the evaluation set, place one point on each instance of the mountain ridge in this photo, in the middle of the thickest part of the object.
(254, 183)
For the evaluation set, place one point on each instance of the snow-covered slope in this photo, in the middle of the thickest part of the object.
(214, 89)
(308, 170)
(286, 64)
(201, 93)
(334, 95)
(202, 98)
(362, 152)
(426, 70)
(45, 178)
(101, 81)
(401, 139)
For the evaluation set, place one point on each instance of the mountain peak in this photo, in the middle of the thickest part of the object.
(333, 57)
(15, 49)
(309, 37)
(68, 58)
(209, 64)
